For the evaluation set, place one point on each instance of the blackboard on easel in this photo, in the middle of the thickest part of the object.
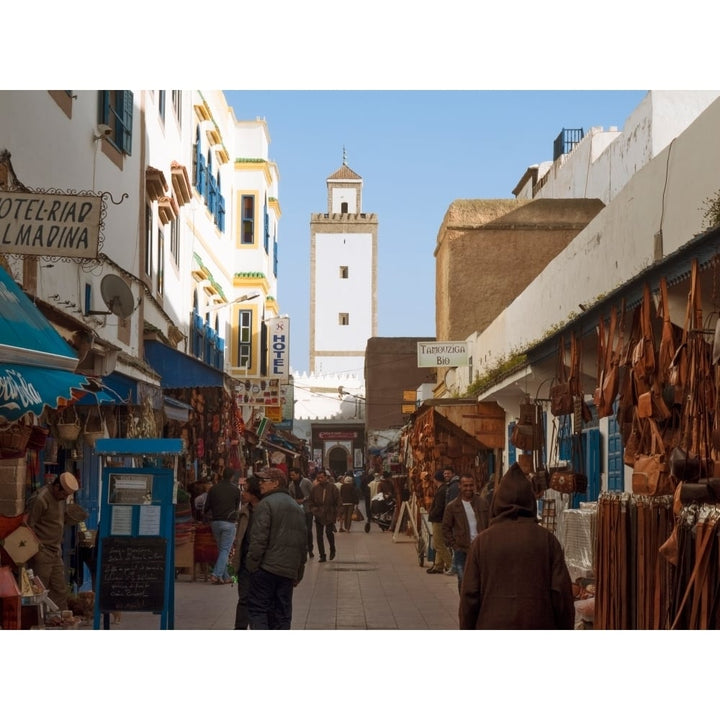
(132, 574)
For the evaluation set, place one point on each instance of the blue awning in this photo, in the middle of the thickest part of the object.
(26, 335)
(36, 363)
(25, 388)
(178, 370)
(122, 387)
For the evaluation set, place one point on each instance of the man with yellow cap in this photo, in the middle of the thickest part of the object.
(47, 516)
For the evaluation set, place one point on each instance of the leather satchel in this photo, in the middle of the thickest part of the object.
(561, 400)
(524, 436)
(696, 492)
(566, 480)
(633, 444)
(684, 466)
(644, 405)
(561, 396)
(651, 473)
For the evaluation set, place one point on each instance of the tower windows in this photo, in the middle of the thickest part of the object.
(344, 272)
(343, 318)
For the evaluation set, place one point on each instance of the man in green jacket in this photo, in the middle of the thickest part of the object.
(276, 553)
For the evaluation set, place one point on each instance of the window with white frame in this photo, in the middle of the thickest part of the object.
(244, 338)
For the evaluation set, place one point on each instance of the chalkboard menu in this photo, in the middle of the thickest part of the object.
(132, 574)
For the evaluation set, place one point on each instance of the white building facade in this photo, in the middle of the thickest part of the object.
(654, 213)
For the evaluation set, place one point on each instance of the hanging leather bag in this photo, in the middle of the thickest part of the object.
(609, 376)
(643, 356)
(523, 436)
(684, 466)
(633, 444)
(566, 480)
(561, 400)
(651, 474)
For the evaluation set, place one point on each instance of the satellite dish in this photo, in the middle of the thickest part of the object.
(117, 296)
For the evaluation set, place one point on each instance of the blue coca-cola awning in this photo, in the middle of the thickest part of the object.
(36, 363)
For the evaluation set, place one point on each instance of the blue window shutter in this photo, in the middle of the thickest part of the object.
(202, 173)
(564, 440)
(616, 465)
(206, 186)
(127, 116)
(104, 107)
(221, 214)
(212, 199)
(267, 228)
(198, 163)
(512, 452)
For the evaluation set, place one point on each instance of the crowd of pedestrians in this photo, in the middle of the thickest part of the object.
(511, 571)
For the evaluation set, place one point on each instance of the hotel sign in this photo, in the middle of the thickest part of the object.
(50, 224)
(443, 354)
(278, 334)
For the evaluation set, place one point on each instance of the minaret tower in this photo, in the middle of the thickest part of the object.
(343, 277)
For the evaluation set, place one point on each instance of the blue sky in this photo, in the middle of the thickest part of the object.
(417, 152)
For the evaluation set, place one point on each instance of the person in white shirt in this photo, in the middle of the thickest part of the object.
(463, 519)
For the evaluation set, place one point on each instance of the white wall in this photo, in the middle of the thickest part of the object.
(341, 195)
(618, 244)
(602, 163)
(334, 294)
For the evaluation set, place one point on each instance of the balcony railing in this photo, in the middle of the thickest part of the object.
(566, 141)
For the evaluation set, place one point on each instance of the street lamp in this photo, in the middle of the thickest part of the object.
(242, 298)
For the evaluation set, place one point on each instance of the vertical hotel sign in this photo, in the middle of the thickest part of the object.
(50, 224)
(278, 334)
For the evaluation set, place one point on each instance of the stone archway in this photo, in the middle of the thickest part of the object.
(338, 460)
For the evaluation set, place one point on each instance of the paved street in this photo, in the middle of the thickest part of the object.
(373, 583)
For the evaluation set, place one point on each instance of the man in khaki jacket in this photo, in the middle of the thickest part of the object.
(462, 521)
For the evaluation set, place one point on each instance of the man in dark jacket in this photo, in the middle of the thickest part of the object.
(324, 505)
(251, 495)
(515, 574)
(222, 503)
(462, 521)
(443, 558)
(300, 488)
(276, 554)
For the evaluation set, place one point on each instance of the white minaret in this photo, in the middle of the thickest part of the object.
(343, 278)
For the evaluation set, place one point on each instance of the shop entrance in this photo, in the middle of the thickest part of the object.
(338, 459)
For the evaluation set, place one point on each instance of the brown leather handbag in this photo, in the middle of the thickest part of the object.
(651, 473)
(566, 480)
(684, 466)
(609, 375)
(561, 399)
